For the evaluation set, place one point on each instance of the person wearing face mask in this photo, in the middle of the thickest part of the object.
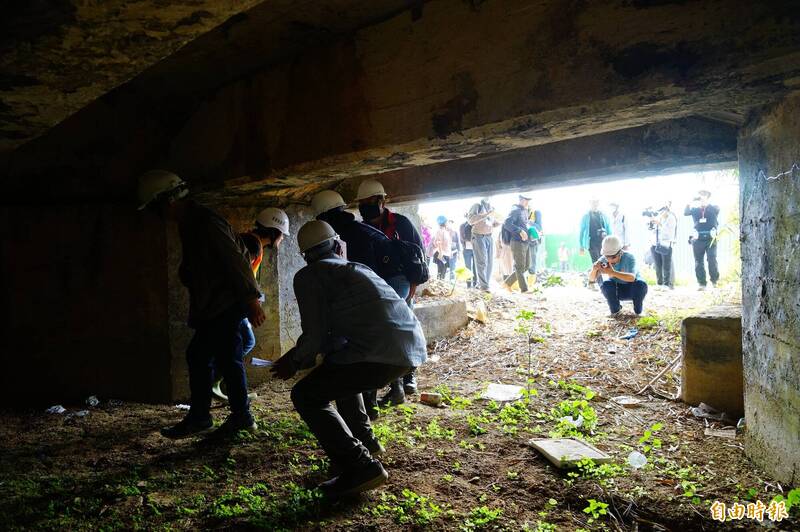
(371, 198)
(623, 281)
(216, 270)
(368, 337)
(704, 242)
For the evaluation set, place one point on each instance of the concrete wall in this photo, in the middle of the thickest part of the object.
(84, 292)
(770, 213)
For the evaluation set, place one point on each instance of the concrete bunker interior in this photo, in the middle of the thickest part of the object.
(265, 103)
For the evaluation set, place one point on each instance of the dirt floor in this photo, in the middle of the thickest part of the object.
(467, 466)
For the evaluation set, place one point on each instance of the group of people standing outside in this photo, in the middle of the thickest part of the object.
(614, 267)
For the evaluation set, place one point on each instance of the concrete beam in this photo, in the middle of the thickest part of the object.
(669, 147)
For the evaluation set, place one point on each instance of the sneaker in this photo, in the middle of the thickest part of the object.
(235, 423)
(374, 447)
(410, 383)
(188, 426)
(701, 288)
(395, 397)
(354, 481)
(616, 314)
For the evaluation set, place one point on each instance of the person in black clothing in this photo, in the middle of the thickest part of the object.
(704, 243)
(215, 268)
(594, 228)
(371, 198)
(515, 231)
(465, 234)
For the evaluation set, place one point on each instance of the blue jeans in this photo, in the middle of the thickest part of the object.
(248, 336)
(218, 343)
(469, 262)
(400, 285)
(483, 250)
(615, 292)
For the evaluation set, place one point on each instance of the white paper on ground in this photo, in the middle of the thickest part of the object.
(261, 363)
(566, 452)
(503, 392)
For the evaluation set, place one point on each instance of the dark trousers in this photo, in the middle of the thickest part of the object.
(594, 253)
(218, 344)
(534, 244)
(663, 265)
(521, 252)
(615, 292)
(709, 249)
(442, 263)
(341, 432)
(469, 262)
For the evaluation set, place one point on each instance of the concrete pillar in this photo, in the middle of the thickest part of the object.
(770, 213)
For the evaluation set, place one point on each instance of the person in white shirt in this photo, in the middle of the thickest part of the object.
(619, 225)
(664, 228)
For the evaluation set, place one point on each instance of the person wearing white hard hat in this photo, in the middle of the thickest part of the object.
(371, 198)
(368, 337)
(623, 282)
(215, 268)
(271, 226)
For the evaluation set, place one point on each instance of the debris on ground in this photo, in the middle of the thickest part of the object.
(261, 363)
(627, 401)
(182, 407)
(567, 452)
(502, 392)
(729, 433)
(636, 460)
(56, 409)
(632, 332)
(431, 398)
(92, 401)
(705, 411)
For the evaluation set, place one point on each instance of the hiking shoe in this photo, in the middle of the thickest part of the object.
(188, 426)
(395, 397)
(701, 288)
(616, 314)
(354, 481)
(410, 383)
(374, 447)
(235, 422)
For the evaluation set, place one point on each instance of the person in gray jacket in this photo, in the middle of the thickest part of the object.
(368, 337)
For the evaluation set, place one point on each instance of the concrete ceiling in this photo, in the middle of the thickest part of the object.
(57, 56)
(288, 96)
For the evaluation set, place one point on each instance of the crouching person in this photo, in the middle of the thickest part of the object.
(368, 336)
(623, 282)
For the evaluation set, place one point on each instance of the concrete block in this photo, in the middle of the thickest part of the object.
(441, 318)
(712, 359)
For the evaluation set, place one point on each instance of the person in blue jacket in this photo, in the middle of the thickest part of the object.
(594, 228)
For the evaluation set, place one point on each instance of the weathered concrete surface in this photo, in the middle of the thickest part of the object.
(84, 291)
(441, 318)
(712, 360)
(456, 83)
(686, 144)
(56, 56)
(770, 233)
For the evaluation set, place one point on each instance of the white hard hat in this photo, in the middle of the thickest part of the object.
(314, 233)
(325, 201)
(369, 188)
(154, 183)
(272, 217)
(611, 245)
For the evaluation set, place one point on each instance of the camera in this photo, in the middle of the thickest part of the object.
(602, 261)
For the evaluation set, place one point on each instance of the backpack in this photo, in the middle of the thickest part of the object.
(399, 256)
(505, 235)
(466, 232)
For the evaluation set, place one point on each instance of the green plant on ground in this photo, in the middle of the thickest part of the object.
(481, 517)
(649, 441)
(408, 509)
(604, 474)
(577, 390)
(574, 418)
(792, 500)
(525, 328)
(596, 509)
(647, 322)
(553, 280)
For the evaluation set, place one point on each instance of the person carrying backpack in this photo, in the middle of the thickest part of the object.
(515, 232)
(465, 233)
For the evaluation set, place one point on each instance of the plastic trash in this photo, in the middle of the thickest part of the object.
(627, 401)
(705, 411)
(636, 460)
(93, 401)
(56, 409)
(182, 407)
(577, 423)
(502, 392)
(430, 398)
(632, 332)
(261, 363)
(741, 426)
(79, 413)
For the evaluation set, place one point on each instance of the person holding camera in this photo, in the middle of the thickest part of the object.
(704, 241)
(623, 280)
(594, 227)
(663, 225)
